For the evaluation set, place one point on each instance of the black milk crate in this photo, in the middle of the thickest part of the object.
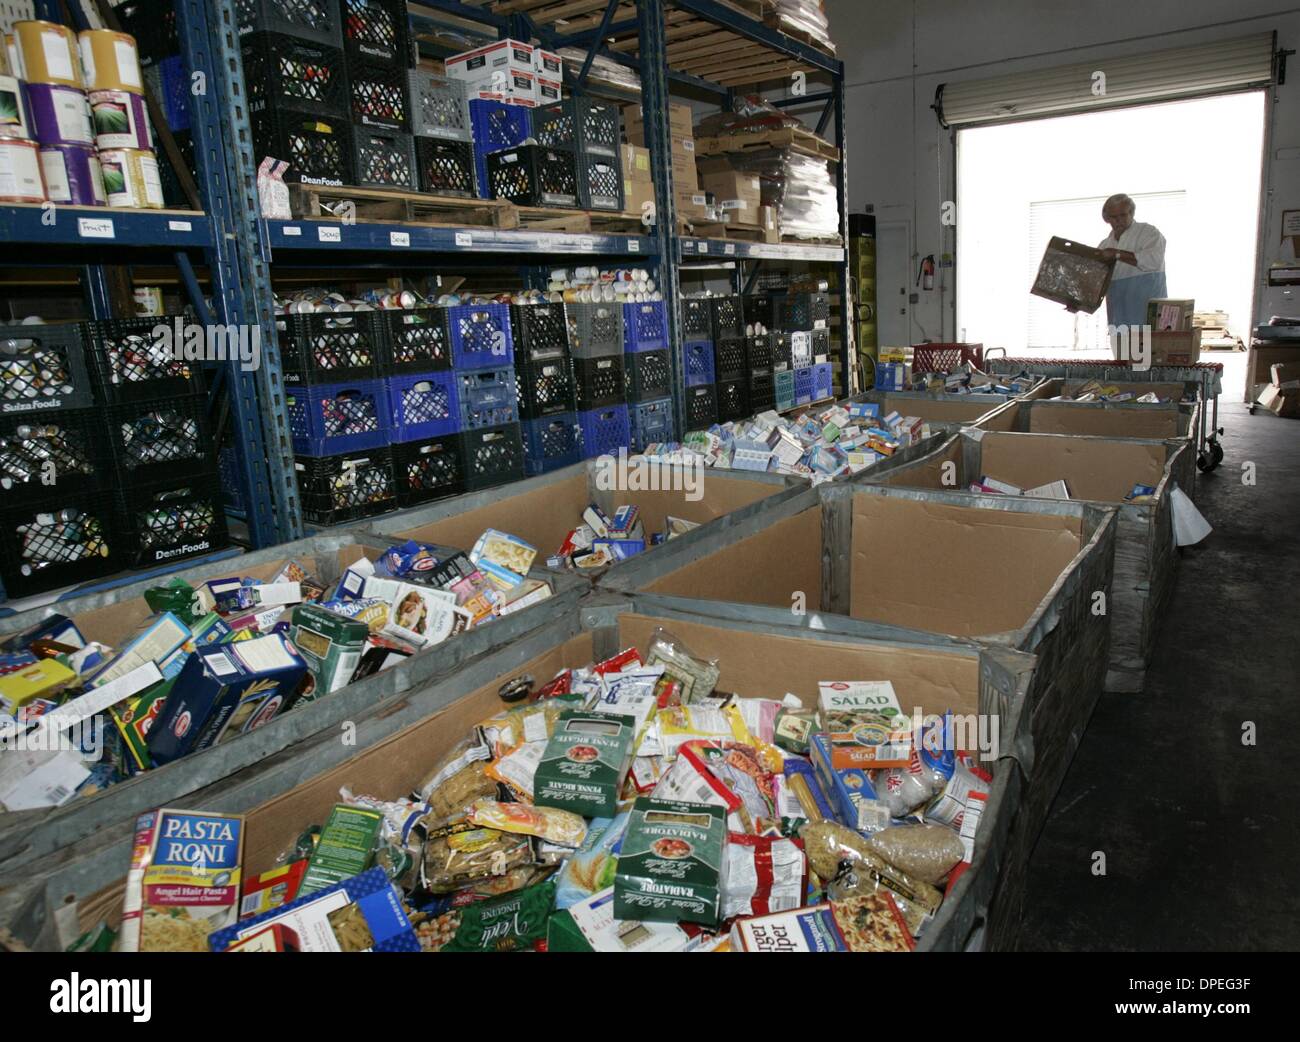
(782, 351)
(600, 183)
(281, 72)
(759, 351)
(337, 489)
(377, 96)
(763, 309)
(733, 399)
(44, 367)
(56, 452)
(595, 330)
(821, 345)
(134, 360)
(649, 375)
(804, 311)
(580, 123)
(599, 381)
(545, 387)
(539, 331)
(650, 422)
(439, 107)
(697, 318)
(330, 347)
(604, 431)
(384, 159)
(551, 443)
(487, 397)
(316, 20)
(762, 390)
(446, 167)
(493, 456)
(727, 317)
(318, 150)
(432, 468)
(155, 31)
(701, 407)
(533, 175)
(413, 340)
(171, 520)
(729, 358)
(162, 440)
(377, 31)
(58, 541)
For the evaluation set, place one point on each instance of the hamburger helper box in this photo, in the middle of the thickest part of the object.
(226, 690)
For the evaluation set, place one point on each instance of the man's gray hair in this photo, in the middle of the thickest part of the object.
(1123, 199)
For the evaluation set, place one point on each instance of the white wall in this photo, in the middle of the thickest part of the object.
(900, 159)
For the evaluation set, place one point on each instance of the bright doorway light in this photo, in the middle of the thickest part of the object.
(1193, 169)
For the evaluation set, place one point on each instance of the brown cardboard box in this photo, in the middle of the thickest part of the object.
(691, 204)
(679, 123)
(1275, 401)
(1175, 347)
(684, 172)
(636, 194)
(1286, 375)
(636, 163)
(738, 193)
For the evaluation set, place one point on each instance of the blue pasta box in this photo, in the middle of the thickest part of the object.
(865, 411)
(849, 790)
(360, 914)
(225, 690)
(157, 641)
(57, 628)
(621, 549)
(893, 376)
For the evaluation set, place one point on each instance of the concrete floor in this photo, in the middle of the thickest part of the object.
(1198, 830)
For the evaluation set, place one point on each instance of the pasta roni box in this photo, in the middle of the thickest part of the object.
(183, 884)
(671, 863)
(865, 725)
(225, 690)
(585, 763)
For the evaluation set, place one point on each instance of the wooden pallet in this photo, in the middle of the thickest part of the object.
(376, 204)
(793, 139)
(773, 21)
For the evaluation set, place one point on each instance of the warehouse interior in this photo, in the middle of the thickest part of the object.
(740, 475)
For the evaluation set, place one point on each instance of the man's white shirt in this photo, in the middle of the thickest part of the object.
(1145, 242)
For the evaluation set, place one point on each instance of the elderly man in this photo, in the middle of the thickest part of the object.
(1139, 254)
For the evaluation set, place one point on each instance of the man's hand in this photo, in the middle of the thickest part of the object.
(1110, 254)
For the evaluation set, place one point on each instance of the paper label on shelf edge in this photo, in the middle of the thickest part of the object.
(586, 243)
(633, 246)
(703, 247)
(464, 239)
(328, 234)
(729, 248)
(399, 238)
(292, 230)
(96, 228)
(180, 226)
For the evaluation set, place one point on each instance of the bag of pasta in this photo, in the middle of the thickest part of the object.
(697, 676)
(461, 854)
(458, 780)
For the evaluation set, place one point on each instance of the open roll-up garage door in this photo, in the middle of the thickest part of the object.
(1244, 63)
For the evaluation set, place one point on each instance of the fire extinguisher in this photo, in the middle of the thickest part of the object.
(925, 277)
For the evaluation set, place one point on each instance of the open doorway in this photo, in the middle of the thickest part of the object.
(1192, 167)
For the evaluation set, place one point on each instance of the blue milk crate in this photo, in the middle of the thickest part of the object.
(650, 422)
(645, 326)
(496, 125)
(604, 431)
(329, 419)
(487, 398)
(823, 381)
(423, 405)
(480, 336)
(551, 443)
(803, 385)
(784, 385)
(698, 360)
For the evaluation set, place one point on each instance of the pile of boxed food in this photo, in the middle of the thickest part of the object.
(832, 443)
(627, 806)
(222, 658)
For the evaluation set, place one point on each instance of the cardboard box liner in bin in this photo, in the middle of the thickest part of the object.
(1117, 391)
(721, 831)
(1095, 470)
(1073, 274)
(1104, 419)
(910, 565)
(592, 514)
(170, 684)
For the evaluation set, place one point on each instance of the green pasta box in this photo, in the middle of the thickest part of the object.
(331, 643)
(585, 763)
(671, 863)
(346, 848)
